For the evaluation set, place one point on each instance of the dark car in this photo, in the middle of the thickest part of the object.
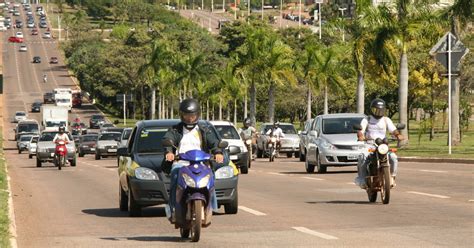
(87, 144)
(53, 60)
(78, 128)
(142, 182)
(34, 32)
(19, 24)
(43, 24)
(96, 120)
(48, 97)
(36, 59)
(36, 106)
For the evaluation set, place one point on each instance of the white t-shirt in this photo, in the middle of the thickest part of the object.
(63, 136)
(191, 140)
(278, 133)
(377, 128)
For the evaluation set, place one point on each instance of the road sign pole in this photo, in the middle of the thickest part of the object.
(124, 109)
(319, 12)
(449, 94)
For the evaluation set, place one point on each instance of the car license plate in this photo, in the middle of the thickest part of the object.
(92, 149)
(352, 157)
(51, 155)
(112, 150)
(233, 157)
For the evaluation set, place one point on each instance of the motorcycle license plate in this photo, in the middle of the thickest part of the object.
(233, 157)
(92, 149)
(112, 150)
(51, 155)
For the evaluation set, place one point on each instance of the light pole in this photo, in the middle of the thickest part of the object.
(342, 18)
(248, 10)
(262, 10)
(299, 16)
(281, 12)
(319, 18)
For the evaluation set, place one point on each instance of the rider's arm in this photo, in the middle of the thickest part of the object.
(392, 129)
(282, 135)
(269, 131)
(55, 137)
(169, 150)
(361, 133)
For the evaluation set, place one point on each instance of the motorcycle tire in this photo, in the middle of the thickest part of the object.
(385, 189)
(60, 161)
(184, 232)
(372, 195)
(196, 221)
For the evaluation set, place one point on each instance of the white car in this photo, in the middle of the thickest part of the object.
(229, 133)
(47, 35)
(20, 116)
(32, 146)
(19, 34)
(23, 48)
(31, 25)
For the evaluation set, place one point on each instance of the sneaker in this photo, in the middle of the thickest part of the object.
(392, 182)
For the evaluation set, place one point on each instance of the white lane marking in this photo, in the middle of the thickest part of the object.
(434, 171)
(471, 201)
(254, 212)
(314, 233)
(351, 183)
(313, 178)
(274, 173)
(426, 194)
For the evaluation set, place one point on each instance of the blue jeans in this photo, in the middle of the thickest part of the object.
(174, 184)
(363, 163)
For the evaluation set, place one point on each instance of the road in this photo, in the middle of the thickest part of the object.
(280, 204)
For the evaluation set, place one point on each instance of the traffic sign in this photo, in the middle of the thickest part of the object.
(128, 98)
(440, 51)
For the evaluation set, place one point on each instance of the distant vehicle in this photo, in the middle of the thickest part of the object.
(96, 121)
(45, 149)
(43, 24)
(22, 142)
(48, 97)
(87, 144)
(34, 32)
(26, 127)
(19, 35)
(125, 135)
(53, 60)
(76, 100)
(289, 144)
(19, 116)
(15, 39)
(107, 144)
(36, 106)
(304, 138)
(54, 116)
(30, 25)
(16, 13)
(36, 59)
(23, 48)
(105, 126)
(47, 35)
(78, 128)
(32, 146)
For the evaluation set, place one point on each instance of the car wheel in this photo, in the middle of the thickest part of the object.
(74, 161)
(134, 210)
(38, 162)
(123, 199)
(233, 207)
(97, 156)
(319, 167)
(288, 155)
(81, 154)
(19, 151)
(302, 156)
(309, 167)
(30, 156)
(244, 169)
(297, 154)
(259, 153)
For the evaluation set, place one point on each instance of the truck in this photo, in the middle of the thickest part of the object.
(63, 99)
(54, 117)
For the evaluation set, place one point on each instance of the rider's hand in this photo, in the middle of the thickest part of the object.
(219, 158)
(169, 156)
(400, 137)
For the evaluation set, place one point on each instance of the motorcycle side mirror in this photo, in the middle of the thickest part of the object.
(234, 150)
(357, 127)
(223, 144)
(400, 126)
(168, 142)
(313, 133)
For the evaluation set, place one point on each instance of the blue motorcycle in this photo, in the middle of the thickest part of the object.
(193, 194)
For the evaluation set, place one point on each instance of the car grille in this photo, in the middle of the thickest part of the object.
(51, 150)
(110, 147)
(152, 194)
(347, 147)
(223, 192)
(345, 159)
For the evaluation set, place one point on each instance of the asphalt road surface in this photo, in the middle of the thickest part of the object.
(280, 204)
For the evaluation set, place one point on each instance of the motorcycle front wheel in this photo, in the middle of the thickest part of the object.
(196, 220)
(385, 189)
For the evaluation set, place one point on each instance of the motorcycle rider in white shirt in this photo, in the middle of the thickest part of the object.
(276, 132)
(374, 127)
(61, 135)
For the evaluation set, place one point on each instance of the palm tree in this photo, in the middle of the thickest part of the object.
(306, 67)
(192, 70)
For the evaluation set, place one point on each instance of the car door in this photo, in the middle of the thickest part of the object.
(312, 140)
(125, 161)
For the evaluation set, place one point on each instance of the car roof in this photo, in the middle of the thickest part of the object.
(221, 123)
(281, 123)
(163, 122)
(339, 115)
(28, 121)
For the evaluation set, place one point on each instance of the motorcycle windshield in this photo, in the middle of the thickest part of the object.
(195, 155)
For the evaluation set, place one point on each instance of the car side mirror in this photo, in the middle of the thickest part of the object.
(234, 150)
(122, 151)
(357, 127)
(303, 132)
(313, 133)
(400, 126)
(223, 144)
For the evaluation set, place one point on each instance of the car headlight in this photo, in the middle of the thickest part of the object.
(143, 173)
(42, 150)
(189, 181)
(328, 145)
(224, 172)
(203, 182)
(382, 149)
(248, 142)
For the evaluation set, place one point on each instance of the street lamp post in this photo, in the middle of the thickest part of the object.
(299, 16)
(262, 9)
(342, 17)
(281, 12)
(319, 18)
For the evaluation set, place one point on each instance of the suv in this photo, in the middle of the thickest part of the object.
(333, 142)
(304, 138)
(45, 149)
(26, 127)
(144, 152)
(289, 144)
(228, 133)
(48, 97)
(96, 121)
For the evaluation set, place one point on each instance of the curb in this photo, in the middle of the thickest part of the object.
(436, 160)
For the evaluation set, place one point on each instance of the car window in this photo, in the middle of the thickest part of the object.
(89, 138)
(110, 136)
(49, 136)
(227, 132)
(126, 134)
(288, 129)
(25, 138)
(131, 139)
(28, 127)
(20, 114)
(97, 117)
(340, 125)
(317, 125)
(34, 139)
(150, 140)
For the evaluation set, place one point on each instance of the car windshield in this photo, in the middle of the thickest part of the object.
(150, 140)
(25, 138)
(89, 138)
(28, 127)
(340, 125)
(49, 136)
(227, 132)
(97, 117)
(55, 123)
(62, 100)
(288, 129)
(126, 133)
(110, 136)
(20, 114)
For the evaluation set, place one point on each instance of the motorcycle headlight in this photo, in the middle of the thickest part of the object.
(189, 181)
(273, 139)
(143, 173)
(203, 182)
(328, 145)
(224, 172)
(248, 142)
(382, 149)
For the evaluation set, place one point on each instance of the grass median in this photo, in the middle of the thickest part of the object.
(4, 220)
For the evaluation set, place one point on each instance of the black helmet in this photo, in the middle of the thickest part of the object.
(189, 112)
(276, 124)
(377, 108)
(62, 129)
(247, 122)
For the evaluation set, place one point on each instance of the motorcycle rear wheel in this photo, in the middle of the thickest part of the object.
(385, 189)
(196, 221)
(184, 232)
